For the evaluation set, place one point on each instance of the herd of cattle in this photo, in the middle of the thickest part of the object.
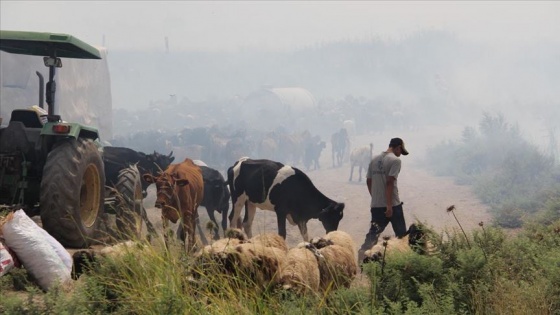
(219, 147)
(264, 183)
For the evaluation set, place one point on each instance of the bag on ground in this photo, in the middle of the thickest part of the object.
(35, 251)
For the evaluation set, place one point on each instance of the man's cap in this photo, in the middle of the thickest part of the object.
(396, 142)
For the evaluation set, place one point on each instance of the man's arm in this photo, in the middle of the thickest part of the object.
(389, 195)
(368, 182)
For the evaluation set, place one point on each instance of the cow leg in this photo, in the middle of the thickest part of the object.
(224, 221)
(351, 172)
(360, 173)
(189, 227)
(215, 228)
(149, 225)
(236, 213)
(248, 221)
(200, 231)
(165, 225)
(281, 218)
(302, 225)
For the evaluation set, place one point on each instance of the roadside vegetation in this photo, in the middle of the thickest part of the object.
(517, 179)
(484, 272)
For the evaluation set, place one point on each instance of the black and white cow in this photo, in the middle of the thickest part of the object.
(286, 190)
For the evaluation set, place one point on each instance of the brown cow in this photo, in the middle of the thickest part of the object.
(180, 190)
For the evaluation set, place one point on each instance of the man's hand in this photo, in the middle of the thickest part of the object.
(389, 212)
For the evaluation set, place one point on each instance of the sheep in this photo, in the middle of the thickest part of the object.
(300, 269)
(338, 267)
(336, 238)
(360, 157)
(414, 240)
(256, 262)
(213, 257)
(236, 233)
(270, 240)
(257, 259)
(84, 259)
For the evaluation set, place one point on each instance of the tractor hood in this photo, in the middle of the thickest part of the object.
(46, 44)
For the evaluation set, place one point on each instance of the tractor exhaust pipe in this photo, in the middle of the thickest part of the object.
(41, 89)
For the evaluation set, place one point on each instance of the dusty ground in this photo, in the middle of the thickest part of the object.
(426, 197)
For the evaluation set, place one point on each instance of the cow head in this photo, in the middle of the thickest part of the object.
(166, 184)
(160, 160)
(153, 163)
(331, 216)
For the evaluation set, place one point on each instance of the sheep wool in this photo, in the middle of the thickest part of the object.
(343, 239)
(394, 245)
(259, 262)
(270, 240)
(300, 271)
(337, 268)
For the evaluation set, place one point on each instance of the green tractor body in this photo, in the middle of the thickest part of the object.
(48, 166)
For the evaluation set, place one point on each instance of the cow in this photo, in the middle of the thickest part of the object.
(313, 153)
(339, 144)
(360, 157)
(216, 197)
(283, 189)
(180, 190)
(118, 158)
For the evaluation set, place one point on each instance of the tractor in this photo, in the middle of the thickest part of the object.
(54, 168)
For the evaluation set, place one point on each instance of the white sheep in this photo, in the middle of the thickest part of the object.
(337, 238)
(414, 240)
(270, 240)
(256, 262)
(338, 267)
(83, 259)
(300, 269)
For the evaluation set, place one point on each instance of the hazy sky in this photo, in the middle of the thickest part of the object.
(286, 25)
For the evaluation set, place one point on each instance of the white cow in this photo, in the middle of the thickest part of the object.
(361, 157)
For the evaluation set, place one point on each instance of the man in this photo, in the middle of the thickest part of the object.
(386, 205)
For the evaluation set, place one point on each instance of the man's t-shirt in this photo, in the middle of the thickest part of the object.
(381, 166)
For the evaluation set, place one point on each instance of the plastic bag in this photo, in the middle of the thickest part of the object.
(6, 260)
(34, 250)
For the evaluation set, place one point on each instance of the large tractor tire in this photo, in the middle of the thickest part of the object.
(72, 192)
(129, 203)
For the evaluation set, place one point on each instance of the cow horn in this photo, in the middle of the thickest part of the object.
(170, 154)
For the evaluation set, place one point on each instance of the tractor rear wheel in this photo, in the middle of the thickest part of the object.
(72, 192)
(129, 203)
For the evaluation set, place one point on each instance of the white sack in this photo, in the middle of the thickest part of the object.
(35, 252)
(58, 248)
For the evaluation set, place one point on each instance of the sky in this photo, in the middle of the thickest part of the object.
(280, 25)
